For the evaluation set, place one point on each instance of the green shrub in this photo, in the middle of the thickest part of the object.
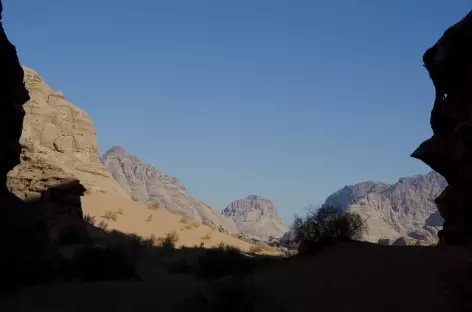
(89, 219)
(325, 225)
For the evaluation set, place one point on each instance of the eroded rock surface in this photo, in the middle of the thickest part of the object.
(145, 183)
(256, 216)
(405, 208)
(59, 143)
(449, 150)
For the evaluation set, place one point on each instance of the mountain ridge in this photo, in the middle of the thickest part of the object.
(147, 184)
(404, 208)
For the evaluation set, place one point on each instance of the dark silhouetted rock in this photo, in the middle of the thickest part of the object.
(449, 150)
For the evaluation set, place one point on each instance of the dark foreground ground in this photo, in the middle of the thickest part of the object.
(342, 277)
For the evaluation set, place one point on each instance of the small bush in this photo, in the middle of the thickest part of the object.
(110, 215)
(207, 237)
(185, 220)
(153, 206)
(262, 247)
(103, 225)
(89, 219)
(325, 225)
(149, 219)
(120, 211)
(168, 242)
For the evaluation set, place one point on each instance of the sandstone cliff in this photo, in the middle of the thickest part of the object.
(405, 208)
(144, 183)
(256, 216)
(59, 143)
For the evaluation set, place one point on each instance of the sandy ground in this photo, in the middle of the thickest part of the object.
(162, 222)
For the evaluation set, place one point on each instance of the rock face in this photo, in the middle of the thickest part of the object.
(144, 183)
(405, 208)
(12, 96)
(256, 216)
(449, 150)
(59, 144)
(26, 254)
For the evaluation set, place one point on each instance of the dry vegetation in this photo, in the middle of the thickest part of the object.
(149, 219)
(263, 247)
(110, 215)
(153, 206)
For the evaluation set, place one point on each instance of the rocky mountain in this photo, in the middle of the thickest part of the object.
(145, 183)
(58, 144)
(405, 208)
(256, 216)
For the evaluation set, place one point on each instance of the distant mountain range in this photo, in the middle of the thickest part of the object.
(405, 208)
(145, 183)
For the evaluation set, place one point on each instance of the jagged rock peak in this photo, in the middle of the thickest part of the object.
(405, 208)
(256, 216)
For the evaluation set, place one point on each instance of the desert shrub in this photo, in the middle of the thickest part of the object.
(262, 247)
(89, 219)
(97, 264)
(149, 219)
(110, 215)
(168, 242)
(207, 236)
(103, 225)
(185, 220)
(153, 206)
(120, 211)
(325, 225)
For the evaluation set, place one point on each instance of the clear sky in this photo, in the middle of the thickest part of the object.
(290, 100)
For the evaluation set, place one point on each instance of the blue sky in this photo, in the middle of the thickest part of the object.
(290, 100)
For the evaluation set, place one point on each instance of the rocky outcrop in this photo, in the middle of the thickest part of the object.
(405, 208)
(449, 150)
(12, 97)
(26, 255)
(256, 216)
(145, 183)
(59, 144)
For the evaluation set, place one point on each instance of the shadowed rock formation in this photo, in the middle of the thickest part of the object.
(25, 253)
(13, 95)
(449, 150)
